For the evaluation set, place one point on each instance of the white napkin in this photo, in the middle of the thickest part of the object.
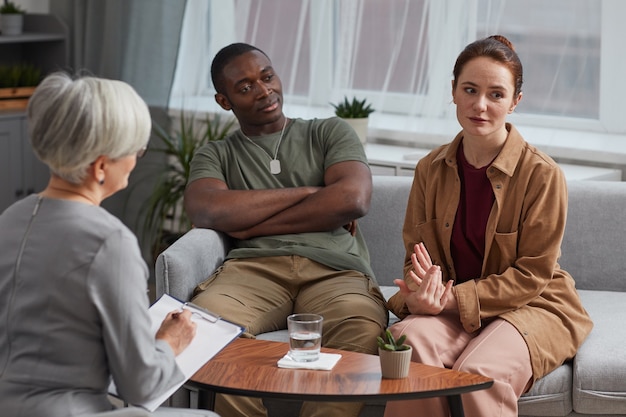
(326, 362)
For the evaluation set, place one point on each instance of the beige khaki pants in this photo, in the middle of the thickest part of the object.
(260, 293)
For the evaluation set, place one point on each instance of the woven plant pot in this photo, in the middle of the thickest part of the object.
(395, 364)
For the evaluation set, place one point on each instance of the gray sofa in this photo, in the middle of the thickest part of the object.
(592, 384)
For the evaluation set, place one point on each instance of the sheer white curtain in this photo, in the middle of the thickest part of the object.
(559, 43)
(400, 53)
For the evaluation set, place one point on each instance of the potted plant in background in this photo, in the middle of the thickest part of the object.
(356, 113)
(162, 216)
(395, 356)
(17, 84)
(11, 18)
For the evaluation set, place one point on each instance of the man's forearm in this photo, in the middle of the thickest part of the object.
(330, 208)
(233, 210)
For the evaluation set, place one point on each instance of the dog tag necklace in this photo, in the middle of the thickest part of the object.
(274, 162)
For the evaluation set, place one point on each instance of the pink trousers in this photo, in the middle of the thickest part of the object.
(497, 351)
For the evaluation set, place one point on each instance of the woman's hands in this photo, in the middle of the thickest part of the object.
(432, 296)
(178, 330)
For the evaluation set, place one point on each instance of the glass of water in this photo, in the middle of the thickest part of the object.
(305, 336)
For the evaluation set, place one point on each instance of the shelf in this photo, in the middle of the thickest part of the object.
(43, 44)
(28, 37)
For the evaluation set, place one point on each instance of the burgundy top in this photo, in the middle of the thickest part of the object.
(468, 233)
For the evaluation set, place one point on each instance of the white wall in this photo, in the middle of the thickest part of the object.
(34, 6)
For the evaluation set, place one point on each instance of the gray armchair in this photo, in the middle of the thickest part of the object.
(189, 261)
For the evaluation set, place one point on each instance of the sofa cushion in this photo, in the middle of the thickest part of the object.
(599, 385)
(550, 395)
(275, 336)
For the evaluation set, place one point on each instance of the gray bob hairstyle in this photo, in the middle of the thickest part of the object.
(73, 121)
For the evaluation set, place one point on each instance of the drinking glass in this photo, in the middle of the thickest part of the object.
(305, 336)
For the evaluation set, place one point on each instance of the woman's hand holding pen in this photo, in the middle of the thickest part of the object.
(178, 330)
(431, 296)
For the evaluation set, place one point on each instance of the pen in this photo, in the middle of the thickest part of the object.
(201, 312)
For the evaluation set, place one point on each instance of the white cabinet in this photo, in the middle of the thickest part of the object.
(44, 45)
(21, 172)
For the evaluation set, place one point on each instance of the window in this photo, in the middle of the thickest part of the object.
(400, 53)
(559, 45)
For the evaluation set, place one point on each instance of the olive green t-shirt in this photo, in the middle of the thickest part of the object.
(307, 149)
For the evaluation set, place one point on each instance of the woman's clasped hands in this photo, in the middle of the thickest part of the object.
(431, 296)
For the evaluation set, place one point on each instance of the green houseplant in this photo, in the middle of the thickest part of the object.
(162, 216)
(356, 113)
(17, 84)
(19, 75)
(11, 18)
(395, 356)
(355, 109)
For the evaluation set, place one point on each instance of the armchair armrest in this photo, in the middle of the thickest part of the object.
(189, 261)
(122, 412)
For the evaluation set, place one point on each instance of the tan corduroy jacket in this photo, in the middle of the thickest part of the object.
(521, 279)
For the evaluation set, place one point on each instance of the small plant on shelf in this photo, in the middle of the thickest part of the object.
(11, 18)
(19, 75)
(391, 343)
(355, 109)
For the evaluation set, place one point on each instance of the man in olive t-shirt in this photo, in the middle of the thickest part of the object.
(288, 191)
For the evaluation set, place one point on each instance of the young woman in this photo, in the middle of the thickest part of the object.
(483, 291)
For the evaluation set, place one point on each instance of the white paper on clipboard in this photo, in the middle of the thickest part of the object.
(212, 335)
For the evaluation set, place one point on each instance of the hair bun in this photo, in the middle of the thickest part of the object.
(503, 40)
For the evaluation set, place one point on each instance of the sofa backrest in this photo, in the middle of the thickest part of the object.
(382, 226)
(593, 244)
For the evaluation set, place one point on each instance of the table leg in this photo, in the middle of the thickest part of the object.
(206, 400)
(456, 406)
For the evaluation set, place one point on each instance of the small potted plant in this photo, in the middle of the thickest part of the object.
(395, 356)
(356, 113)
(11, 18)
(17, 84)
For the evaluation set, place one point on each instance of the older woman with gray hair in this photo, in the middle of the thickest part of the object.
(73, 284)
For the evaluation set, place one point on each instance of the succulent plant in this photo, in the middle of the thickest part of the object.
(354, 109)
(392, 343)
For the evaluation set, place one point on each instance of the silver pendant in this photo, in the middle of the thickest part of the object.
(275, 166)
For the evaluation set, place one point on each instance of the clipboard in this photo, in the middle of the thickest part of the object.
(212, 334)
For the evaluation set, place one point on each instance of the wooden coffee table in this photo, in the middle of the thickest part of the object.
(248, 367)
